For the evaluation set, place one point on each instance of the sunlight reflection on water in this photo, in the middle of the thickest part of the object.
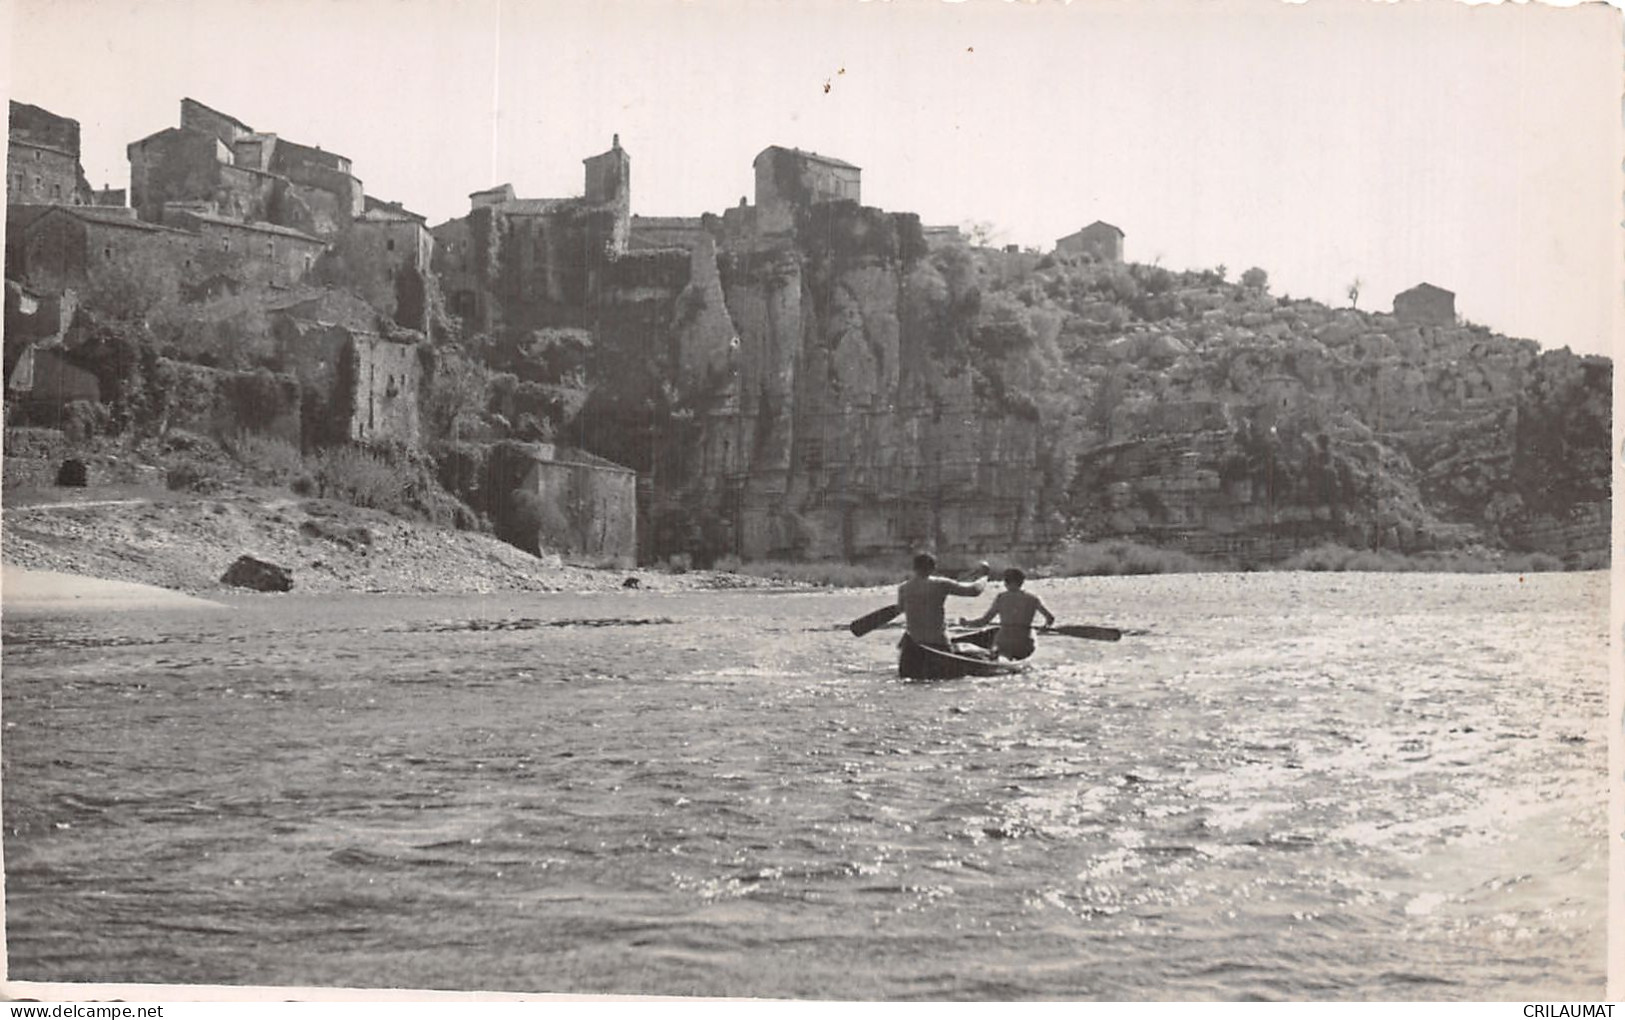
(1291, 786)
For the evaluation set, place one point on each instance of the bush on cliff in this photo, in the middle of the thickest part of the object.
(825, 575)
(1108, 559)
(1333, 557)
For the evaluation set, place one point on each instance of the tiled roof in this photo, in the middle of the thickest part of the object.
(90, 214)
(264, 228)
(827, 160)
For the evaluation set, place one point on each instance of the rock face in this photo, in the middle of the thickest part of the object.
(871, 397)
(842, 391)
(831, 406)
(258, 575)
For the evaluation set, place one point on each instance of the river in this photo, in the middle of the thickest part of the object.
(1284, 786)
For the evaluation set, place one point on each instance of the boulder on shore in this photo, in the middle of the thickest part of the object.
(258, 575)
(74, 473)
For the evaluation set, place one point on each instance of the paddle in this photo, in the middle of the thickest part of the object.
(984, 638)
(880, 617)
(1085, 631)
(870, 621)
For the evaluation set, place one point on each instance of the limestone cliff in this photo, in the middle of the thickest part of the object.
(850, 394)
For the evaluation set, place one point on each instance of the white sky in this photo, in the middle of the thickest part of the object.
(1478, 148)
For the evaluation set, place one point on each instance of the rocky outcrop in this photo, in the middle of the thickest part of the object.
(860, 397)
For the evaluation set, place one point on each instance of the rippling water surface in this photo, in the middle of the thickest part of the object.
(1290, 786)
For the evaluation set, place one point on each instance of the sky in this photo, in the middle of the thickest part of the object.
(1477, 148)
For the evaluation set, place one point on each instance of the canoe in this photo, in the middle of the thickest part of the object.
(917, 662)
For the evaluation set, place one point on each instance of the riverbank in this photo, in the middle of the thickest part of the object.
(184, 542)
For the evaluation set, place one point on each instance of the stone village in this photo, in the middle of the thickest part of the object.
(793, 426)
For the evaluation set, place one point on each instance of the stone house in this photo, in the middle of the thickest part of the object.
(89, 249)
(215, 162)
(384, 374)
(42, 159)
(788, 179)
(259, 253)
(575, 503)
(1427, 305)
(386, 256)
(1100, 239)
(358, 386)
(520, 261)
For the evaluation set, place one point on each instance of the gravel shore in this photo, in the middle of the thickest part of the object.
(185, 543)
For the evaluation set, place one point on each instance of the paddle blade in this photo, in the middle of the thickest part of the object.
(980, 638)
(1079, 630)
(869, 621)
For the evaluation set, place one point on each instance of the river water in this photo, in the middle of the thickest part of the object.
(1290, 786)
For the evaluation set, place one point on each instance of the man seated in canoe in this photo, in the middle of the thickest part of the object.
(1015, 610)
(925, 626)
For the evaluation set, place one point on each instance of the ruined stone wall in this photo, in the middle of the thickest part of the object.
(385, 375)
(216, 403)
(583, 511)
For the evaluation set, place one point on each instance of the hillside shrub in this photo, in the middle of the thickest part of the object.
(825, 575)
(361, 478)
(268, 460)
(190, 472)
(1119, 556)
(1330, 557)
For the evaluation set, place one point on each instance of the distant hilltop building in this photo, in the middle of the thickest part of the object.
(513, 257)
(42, 159)
(1100, 239)
(1427, 305)
(787, 179)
